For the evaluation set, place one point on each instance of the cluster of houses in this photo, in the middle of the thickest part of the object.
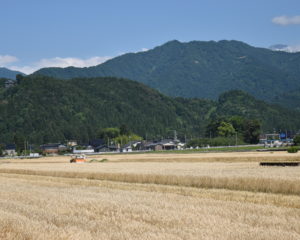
(99, 146)
(276, 139)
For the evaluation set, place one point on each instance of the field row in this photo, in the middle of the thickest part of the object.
(231, 176)
(37, 207)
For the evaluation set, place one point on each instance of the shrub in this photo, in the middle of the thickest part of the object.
(292, 150)
(98, 160)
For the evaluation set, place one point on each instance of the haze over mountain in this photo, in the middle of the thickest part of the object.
(201, 69)
(7, 73)
(44, 109)
(278, 47)
(285, 48)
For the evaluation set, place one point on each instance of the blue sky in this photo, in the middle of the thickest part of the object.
(41, 33)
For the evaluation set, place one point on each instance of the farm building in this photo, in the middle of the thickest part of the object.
(165, 144)
(53, 148)
(10, 150)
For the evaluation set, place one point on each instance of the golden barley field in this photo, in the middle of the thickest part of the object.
(151, 196)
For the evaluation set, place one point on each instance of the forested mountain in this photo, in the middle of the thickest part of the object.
(290, 99)
(44, 109)
(273, 117)
(6, 73)
(201, 69)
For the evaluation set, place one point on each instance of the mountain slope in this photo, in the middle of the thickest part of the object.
(201, 69)
(44, 109)
(272, 117)
(6, 73)
(47, 110)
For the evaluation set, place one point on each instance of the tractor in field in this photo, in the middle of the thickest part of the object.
(78, 159)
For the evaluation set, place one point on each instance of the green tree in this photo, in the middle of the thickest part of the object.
(252, 131)
(212, 128)
(19, 140)
(124, 130)
(109, 133)
(225, 129)
(1, 149)
(237, 123)
(124, 139)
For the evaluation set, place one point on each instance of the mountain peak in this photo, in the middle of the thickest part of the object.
(202, 69)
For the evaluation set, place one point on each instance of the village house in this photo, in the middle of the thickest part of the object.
(71, 143)
(53, 148)
(10, 150)
(132, 145)
(85, 149)
(126, 148)
(165, 144)
(106, 148)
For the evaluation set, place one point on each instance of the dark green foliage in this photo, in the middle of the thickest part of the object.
(238, 103)
(247, 129)
(297, 140)
(108, 133)
(290, 99)
(19, 78)
(251, 131)
(203, 69)
(2, 83)
(42, 110)
(124, 130)
(19, 140)
(2, 147)
(218, 141)
(292, 150)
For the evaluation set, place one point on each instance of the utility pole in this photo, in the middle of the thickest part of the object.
(25, 147)
(175, 135)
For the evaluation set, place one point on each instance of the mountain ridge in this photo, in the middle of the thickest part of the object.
(200, 69)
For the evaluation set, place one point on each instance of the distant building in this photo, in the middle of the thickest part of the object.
(53, 148)
(165, 144)
(34, 155)
(83, 149)
(102, 148)
(132, 145)
(97, 142)
(71, 143)
(126, 148)
(10, 150)
(107, 148)
(275, 140)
